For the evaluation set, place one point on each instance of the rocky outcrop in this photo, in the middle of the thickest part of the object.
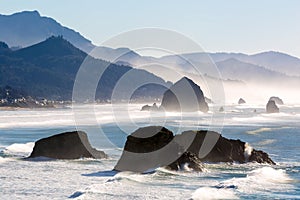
(224, 150)
(147, 149)
(154, 107)
(68, 145)
(208, 100)
(241, 101)
(272, 107)
(277, 100)
(184, 96)
(155, 146)
(187, 161)
(221, 109)
(260, 157)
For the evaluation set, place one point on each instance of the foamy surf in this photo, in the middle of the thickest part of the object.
(208, 193)
(19, 149)
(262, 179)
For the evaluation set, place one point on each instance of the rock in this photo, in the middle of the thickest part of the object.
(224, 150)
(260, 157)
(208, 100)
(187, 161)
(272, 107)
(151, 147)
(184, 96)
(241, 101)
(221, 109)
(154, 107)
(68, 145)
(146, 108)
(277, 100)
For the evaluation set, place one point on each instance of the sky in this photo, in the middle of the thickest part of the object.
(218, 26)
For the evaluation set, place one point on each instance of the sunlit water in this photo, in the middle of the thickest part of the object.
(107, 127)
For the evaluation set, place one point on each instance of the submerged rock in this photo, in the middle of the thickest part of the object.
(184, 96)
(155, 146)
(272, 107)
(277, 100)
(241, 101)
(68, 145)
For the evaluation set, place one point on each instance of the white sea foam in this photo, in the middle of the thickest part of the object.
(4, 160)
(213, 193)
(248, 150)
(19, 149)
(262, 179)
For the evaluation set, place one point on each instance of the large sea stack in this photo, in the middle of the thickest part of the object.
(151, 147)
(241, 101)
(68, 145)
(272, 107)
(184, 96)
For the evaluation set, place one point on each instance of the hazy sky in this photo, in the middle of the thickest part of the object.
(218, 26)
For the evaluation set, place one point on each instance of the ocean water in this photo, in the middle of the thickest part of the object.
(108, 126)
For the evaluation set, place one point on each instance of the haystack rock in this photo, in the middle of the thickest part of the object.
(241, 101)
(277, 100)
(272, 107)
(184, 96)
(151, 147)
(68, 145)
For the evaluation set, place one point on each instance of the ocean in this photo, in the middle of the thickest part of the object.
(107, 127)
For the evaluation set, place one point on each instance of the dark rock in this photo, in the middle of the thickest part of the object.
(208, 100)
(277, 100)
(185, 96)
(154, 107)
(272, 107)
(221, 109)
(147, 149)
(187, 160)
(69, 145)
(146, 108)
(241, 101)
(260, 157)
(223, 150)
(155, 146)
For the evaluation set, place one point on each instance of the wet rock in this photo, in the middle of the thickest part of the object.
(151, 147)
(272, 107)
(68, 145)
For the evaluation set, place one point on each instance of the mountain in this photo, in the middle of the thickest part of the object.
(236, 69)
(271, 60)
(29, 27)
(48, 69)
